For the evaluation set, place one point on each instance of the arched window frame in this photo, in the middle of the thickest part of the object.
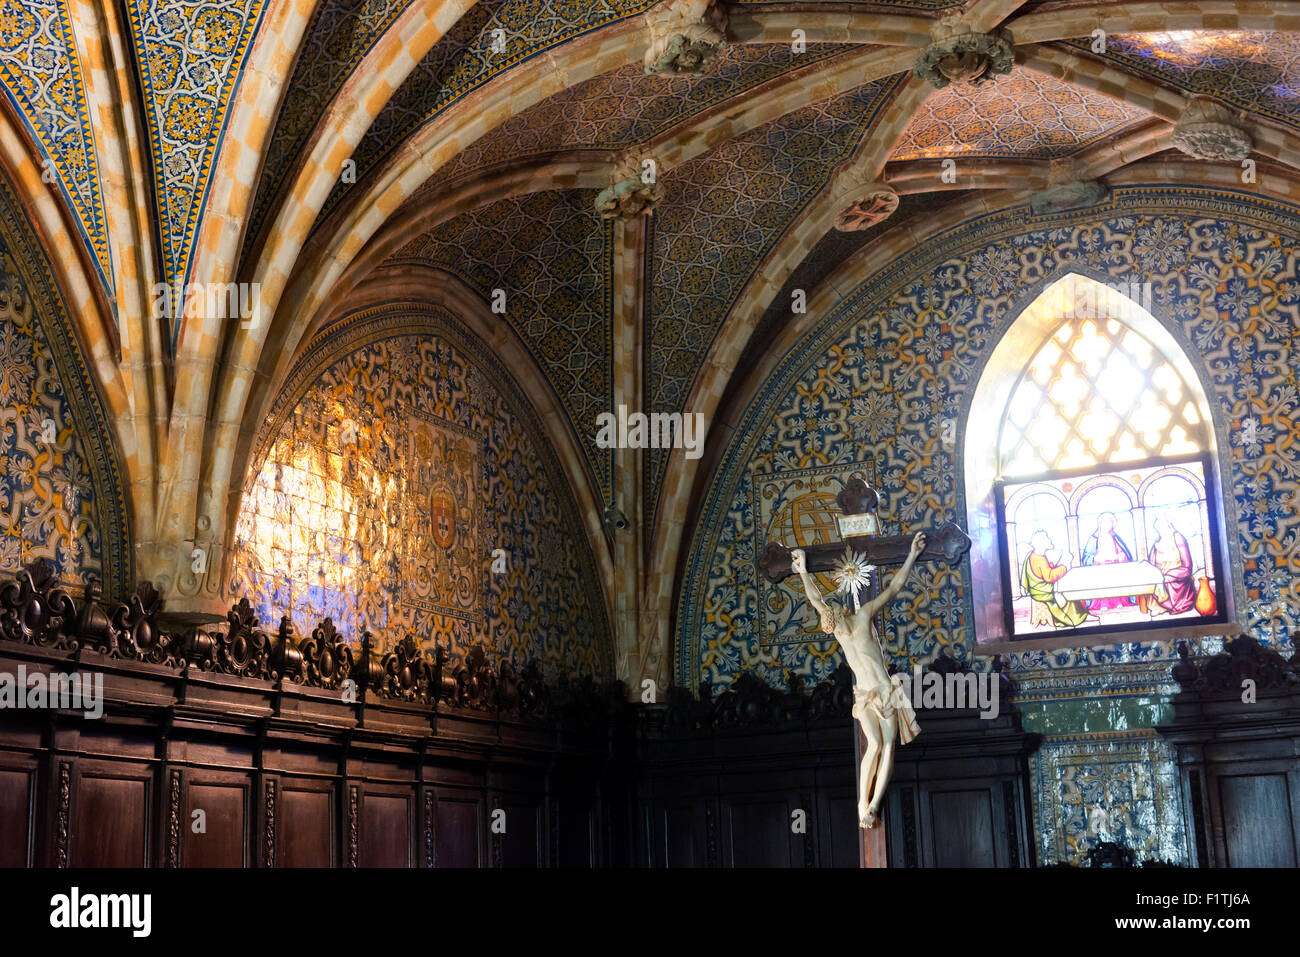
(1044, 311)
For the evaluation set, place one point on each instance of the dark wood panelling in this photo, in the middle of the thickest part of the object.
(682, 835)
(575, 821)
(293, 776)
(386, 829)
(227, 835)
(962, 828)
(110, 816)
(458, 832)
(17, 795)
(841, 850)
(307, 826)
(519, 843)
(1257, 828)
(760, 834)
(1238, 760)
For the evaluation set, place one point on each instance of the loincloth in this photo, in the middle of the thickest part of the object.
(893, 704)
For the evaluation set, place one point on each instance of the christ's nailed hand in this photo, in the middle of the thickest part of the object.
(918, 544)
(798, 561)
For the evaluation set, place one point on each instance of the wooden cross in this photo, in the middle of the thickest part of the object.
(947, 543)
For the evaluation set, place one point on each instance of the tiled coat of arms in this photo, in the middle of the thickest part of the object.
(443, 557)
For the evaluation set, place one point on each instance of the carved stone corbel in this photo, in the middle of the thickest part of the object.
(1209, 131)
(1066, 190)
(634, 188)
(685, 36)
(957, 54)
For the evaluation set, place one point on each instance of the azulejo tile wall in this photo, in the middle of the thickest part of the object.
(41, 71)
(867, 391)
(550, 253)
(61, 491)
(398, 460)
(191, 58)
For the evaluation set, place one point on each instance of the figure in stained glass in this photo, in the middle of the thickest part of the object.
(1105, 547)
(1170, 554)
(1039, 576)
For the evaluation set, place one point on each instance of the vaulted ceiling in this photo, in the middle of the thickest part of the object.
(315, 147)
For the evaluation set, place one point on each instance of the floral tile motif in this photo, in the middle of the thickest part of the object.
(1106, 787)
(1022, 114)
(624, 106)
(61, 497)
(41, 73)
(903, 352)
(396, 462)
(191, 58)
(551, 255)
(869, 389)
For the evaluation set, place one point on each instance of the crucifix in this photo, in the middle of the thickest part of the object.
(858, 531)
(881, 707)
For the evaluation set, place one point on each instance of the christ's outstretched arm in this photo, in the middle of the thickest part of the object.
(799, 563)
(890, 591)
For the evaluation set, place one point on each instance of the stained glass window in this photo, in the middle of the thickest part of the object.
(1106, 494)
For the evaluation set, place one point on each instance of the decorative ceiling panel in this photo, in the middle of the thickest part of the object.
(42, 76)
(625, 106)
(340, 34)
(191, 58)
(464, 59)
(1022, 114)
(550, 253)
(720, 215)
(1253, 70)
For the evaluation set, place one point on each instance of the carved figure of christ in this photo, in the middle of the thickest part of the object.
(879, 703)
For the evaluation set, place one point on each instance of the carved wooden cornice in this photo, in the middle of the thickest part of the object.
(1242, 659)
(35, 610)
